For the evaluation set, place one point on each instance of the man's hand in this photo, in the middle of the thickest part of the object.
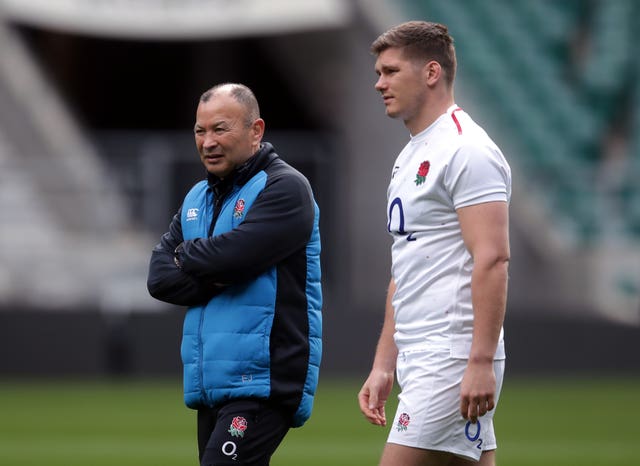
(477, 392)
(373, 396)
(176, 255)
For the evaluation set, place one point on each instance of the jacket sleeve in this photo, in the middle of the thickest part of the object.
(279, 223)
(169, 283)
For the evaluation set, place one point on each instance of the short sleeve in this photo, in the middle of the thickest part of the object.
(477, 174)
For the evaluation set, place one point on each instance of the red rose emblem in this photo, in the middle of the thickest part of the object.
(403, 422)
(238, 426)
(239, 208)
(239, 423)
(423, 169)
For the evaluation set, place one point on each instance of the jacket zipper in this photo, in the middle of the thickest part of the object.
(217, 208)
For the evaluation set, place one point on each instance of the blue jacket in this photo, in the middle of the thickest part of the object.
(244, 255)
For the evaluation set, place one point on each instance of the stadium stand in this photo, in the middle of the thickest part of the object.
(61, 216)
(556, 83)
(93, 163)
(559, 75)
(83, 205)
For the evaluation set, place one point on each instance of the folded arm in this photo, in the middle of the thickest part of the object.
(279, 222)
(167, 282)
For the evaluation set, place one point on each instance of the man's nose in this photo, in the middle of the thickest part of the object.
(209, 141)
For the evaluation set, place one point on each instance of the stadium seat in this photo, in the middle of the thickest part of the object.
(522, 58)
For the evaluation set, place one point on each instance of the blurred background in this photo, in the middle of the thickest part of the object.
(97, 104)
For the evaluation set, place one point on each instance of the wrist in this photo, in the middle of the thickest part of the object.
(385, 370)
(480, 359)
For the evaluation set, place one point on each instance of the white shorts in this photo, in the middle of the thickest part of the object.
(428, 414)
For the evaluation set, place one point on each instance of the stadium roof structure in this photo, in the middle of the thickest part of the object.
(178, 19)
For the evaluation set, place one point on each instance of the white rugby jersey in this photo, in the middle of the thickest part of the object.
(451, 164)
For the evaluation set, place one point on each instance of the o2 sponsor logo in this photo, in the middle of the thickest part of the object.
(229, 449)
(396, 204)
(472, 432)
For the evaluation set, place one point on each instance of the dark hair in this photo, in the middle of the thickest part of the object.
(421, 40)
(241, 94)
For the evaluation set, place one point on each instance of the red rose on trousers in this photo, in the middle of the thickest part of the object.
(239, 423)
(403, 422)
(238, 426)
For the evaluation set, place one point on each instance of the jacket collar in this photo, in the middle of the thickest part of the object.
(243, 173)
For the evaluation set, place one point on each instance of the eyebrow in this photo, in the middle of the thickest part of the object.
(214, 124)
(386, 68)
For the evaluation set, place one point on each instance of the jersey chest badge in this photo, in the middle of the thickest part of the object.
(238, 210)
(423, 170)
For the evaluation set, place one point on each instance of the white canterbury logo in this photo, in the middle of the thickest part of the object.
(192, 214)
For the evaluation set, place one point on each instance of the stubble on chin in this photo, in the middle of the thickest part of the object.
(392, 113)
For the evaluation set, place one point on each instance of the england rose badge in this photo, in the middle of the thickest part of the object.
(403, 422)
(423, 169)
(238, 426)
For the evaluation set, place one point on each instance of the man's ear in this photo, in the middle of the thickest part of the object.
(432, 73)
(258, 129)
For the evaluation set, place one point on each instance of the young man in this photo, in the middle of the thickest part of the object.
(448, 216)
(243, 253)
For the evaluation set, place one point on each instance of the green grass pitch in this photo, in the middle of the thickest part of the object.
(541, 421)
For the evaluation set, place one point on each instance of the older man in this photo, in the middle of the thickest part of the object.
(243, 253)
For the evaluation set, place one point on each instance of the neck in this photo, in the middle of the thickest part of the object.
(431, 111)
